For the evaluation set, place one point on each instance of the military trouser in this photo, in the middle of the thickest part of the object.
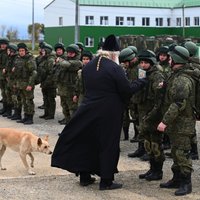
(9, 93)
(180, 149)
(3, 83)
(65, 107)
(16, 99)
(153, 145)
(180, 133)
(27, 101)
(49, 95)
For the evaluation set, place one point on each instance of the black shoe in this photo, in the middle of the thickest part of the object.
(41, 107)
(145, 157)
(184, 189)
(154, 176)
(170, 184)
(88, 182)
(113, 186)
(59, 121)
(49, 117)
(142, 176)
(42, 116)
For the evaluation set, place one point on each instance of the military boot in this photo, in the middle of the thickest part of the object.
(143, 176)
(139, 152)
(3, 110)
(185, 185)
(125, 130)
(23, 119)
(17, 114)
(29, 119)
(174, 182)
(8, 111)
(157, 173)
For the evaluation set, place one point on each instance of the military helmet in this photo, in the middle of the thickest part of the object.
(22, 45)
(73, 48)
(191, 47)
(179, 54)
(163, 49)
(80, 45)
(4, 40)
(86, 54)
(59, 45)
(134, 49)
(126, 54)
(41, 44)
(12, 47)
(47, 47)
(147, 55)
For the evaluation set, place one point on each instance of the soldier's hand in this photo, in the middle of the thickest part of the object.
(13, 69)
(29, 88)
(4, 70)
(161, 127)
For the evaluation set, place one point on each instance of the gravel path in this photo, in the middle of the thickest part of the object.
(56, 184)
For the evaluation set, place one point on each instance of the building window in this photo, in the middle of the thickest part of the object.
(159, 21)
(187, 21)
(178, 21)
(89, 20)
(168, 21)
(104, 20)
(89, 42)
(60, 21)
(102, 39)
(145, 21)
(196, 21)
(119, 20)
(130, 21)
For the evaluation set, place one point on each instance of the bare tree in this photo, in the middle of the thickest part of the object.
(3, 29)
(12, 34)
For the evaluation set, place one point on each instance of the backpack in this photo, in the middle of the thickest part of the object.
(194, 76)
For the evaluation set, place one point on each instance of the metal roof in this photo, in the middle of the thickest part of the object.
(142, 3)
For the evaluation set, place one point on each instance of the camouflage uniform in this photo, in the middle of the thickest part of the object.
(66, 74)
(3, 82)
(179, 120)
(48, 83)
(25, 71)
(10, 91)
(149, 110)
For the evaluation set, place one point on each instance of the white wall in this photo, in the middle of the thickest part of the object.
(60, 8)
(66, 9)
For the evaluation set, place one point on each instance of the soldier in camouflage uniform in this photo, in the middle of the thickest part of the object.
(128, 59)
(38, 60)
(86, 57)
(3, 60)
(25, 72)
(149, 109)
(163, 62)
(48, 83)
(10, 79)
(194, 64)
(60, 55)
(179, 120)
(66, 74)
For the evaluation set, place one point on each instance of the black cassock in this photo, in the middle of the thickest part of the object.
(90, 141)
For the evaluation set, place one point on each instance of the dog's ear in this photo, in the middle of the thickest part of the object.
(46, 138)
(39, 142)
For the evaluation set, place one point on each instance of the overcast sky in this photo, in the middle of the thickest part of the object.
(18, 14)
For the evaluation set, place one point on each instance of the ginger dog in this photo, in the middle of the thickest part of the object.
(23, 142)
